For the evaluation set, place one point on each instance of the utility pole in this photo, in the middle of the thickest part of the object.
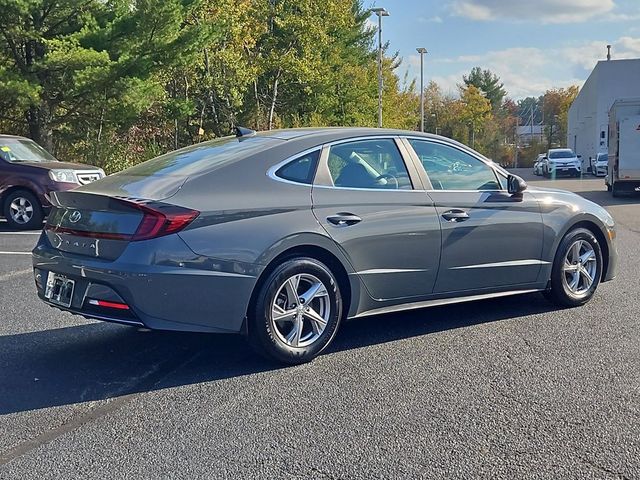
(380, 12)
(421, 51)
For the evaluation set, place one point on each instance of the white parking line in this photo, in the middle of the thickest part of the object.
(20, 233)
(15, 253)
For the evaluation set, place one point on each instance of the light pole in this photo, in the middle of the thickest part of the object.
(555, 119)
(421, 51)
(380, 12)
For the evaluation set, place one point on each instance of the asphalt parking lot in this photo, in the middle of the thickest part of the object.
(502, 388)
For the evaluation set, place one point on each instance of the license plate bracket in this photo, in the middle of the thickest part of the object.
(59, 289)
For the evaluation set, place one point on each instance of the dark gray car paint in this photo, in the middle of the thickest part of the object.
(202, 278)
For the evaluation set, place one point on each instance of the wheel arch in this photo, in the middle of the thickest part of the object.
(592, 226)
(348, 289)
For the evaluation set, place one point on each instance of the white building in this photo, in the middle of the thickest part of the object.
(587, 132)
(528, 133)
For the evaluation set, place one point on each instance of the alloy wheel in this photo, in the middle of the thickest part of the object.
(580, 268)
(300, 310)
(21, 210)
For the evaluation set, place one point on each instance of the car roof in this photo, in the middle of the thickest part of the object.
(560, 150)
(336, 132)
(6, 135)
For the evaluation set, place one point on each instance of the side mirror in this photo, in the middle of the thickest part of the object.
(515, 185)
(545, 158)
(579, 156)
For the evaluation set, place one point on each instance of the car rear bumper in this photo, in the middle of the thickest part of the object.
(163, 297)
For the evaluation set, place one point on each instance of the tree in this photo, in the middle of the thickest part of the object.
(476, 110)
(528, 105)
(70, 63)
(556, 108)
(489, 83)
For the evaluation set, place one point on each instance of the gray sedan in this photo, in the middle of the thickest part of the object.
(282, 235)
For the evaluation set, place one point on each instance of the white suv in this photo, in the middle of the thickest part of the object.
(562, 161)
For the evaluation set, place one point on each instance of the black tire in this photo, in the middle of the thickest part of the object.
(28, 199)
(608, 188)
(265, 335)
(559, 292)
(615, 191)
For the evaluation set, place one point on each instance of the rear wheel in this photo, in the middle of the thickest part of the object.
(577, 269)
(23, 211)
(615, 190)
(297, 312)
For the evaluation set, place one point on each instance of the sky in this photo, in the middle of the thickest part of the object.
(533, 45)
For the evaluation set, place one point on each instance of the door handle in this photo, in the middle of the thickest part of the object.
(344, 219)
(455, 216)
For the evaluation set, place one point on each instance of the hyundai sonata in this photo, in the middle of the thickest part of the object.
(282, 235)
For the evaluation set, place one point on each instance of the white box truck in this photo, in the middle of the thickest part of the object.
(624, 147)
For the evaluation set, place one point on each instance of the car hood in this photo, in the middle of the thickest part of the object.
(58, 165)
(577, 202)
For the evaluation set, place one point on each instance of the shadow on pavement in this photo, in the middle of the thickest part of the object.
(98, 361)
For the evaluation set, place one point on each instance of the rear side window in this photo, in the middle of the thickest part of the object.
(373, 163)
(300, 170)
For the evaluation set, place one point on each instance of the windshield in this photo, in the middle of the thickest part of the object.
(562, 154)
(17, 150)
(603, 157)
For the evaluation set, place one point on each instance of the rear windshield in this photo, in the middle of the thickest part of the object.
(17, 150)
(204, 156)
(562, 154)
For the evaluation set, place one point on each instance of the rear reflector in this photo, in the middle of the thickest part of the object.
(104, 303)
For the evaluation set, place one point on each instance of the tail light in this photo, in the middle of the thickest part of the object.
(165, 220)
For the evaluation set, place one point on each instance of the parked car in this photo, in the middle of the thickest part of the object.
(28, 175)
(282, 235)
(600, 165)
(538, 164)
(562, 161)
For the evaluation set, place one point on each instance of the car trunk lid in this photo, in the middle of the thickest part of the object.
(102, 226)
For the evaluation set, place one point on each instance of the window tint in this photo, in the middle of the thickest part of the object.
(368, 164)
(451, 169)
(202, 157)
(301, 169)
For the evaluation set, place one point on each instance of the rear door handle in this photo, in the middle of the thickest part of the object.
(455, 216)
(344, 219)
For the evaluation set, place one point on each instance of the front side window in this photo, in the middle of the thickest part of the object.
(300, 170)
(451, 169)
(375, 163)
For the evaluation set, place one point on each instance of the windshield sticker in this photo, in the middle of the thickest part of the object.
(5, 149)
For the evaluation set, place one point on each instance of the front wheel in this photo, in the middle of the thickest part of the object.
(577, 269)
(297, 312)
(23, 211)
